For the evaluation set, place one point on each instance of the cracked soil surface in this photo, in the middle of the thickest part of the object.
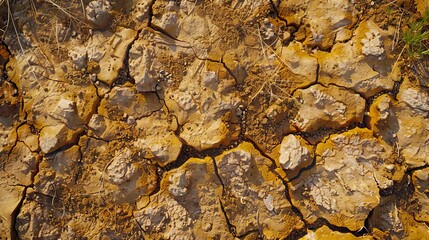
(212, 119)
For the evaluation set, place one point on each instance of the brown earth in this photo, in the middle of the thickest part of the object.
(222, 119)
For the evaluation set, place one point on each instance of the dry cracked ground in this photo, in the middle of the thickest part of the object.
(212, 119)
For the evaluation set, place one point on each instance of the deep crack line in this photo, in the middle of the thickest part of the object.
(13, 234)
(231, 227)
(216, 171)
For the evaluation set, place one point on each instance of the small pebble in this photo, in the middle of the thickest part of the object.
(93, 77)
(131, 120)
(85, 202)
(390, 167)
(207, 227)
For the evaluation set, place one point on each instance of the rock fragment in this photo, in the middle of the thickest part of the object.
(79, 57)
(54, 137)
(416, 97)
(66, 112)
(293, 154)
(372, 43)
(98, 13)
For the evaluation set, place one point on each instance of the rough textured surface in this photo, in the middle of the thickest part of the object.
(325, 233)
(188, 207)
(331, 107)
(359, 64)
(237, 119)
(253, 196)
(320, 28)
(124, 102)
(203, 105)
(111, 58)
(421, 182)
(344, 185)
(293, 154)
(404, 122)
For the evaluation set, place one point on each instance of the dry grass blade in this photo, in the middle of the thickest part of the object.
(10, 16)
(69, 14)
(273, 65)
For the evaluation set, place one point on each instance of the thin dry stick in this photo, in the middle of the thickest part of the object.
(19, 41)
(397, 32)
(70, 15)
(83, 8)
(271, 84)
(7, 22)
(397, 61)
(261, 41)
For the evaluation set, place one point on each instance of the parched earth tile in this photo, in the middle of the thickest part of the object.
(404, 123)
(320, 28)
(116, 169)
(331, 107)
(361, 64)
(344, 186)
(111, 58)
(93, 113)
(204, 102)
(254, 196)
(325, 233)
(188, 206)
(126, 101)
(200, 93)
(202, 25)
(397, 216)
(421, 194)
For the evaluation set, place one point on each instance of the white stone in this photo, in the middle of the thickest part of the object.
(372, 44)
(78, 56)
(121, 168)
(292, 153)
